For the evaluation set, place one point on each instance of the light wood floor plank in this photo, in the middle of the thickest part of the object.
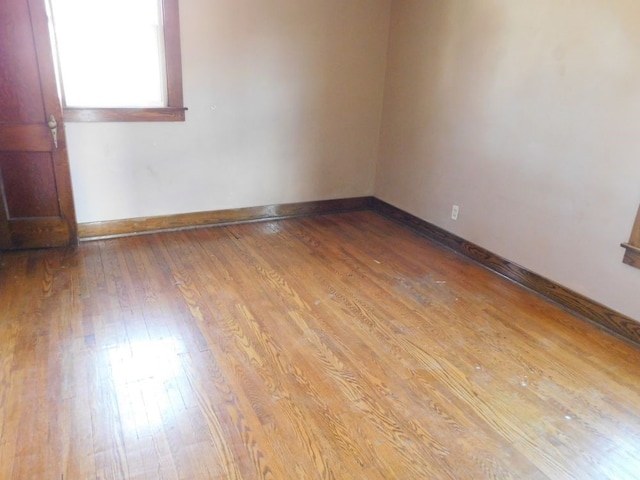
(331, 347)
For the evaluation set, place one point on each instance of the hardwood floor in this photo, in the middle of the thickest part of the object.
(333, 347)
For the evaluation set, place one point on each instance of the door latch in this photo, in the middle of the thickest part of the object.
(53, 126)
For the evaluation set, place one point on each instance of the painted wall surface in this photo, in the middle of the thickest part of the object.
(284, 99)
(526, 114)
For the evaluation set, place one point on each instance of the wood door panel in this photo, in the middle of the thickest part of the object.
(33, 138)
(33, 192)
(19, 73)
(46, 232)
(36, 201)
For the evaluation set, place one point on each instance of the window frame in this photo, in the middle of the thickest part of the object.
(632, 247)
(175, 109)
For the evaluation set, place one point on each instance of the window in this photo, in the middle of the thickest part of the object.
(118, 60)
(632, 253)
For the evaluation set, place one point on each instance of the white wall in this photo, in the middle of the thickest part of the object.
(527, 115)
(284, 101)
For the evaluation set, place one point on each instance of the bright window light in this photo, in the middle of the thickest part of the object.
(110, 52)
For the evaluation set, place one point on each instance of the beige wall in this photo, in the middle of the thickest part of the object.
(527, 115)
(284, 102)
(524, 113)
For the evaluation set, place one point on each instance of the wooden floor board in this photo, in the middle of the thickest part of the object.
(331, 347)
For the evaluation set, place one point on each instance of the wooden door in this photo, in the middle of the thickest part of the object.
(36, 202)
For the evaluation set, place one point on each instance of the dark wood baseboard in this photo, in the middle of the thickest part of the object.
(608, 319)
(604, 317)
(138, 226)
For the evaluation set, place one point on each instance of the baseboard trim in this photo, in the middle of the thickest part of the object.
(604, 317)
(146, 225)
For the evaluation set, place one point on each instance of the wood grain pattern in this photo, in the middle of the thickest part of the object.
(614, 322)
(136, 226)
(33, 191)
(330, 347)
(173, 54)
(19, 76)
(35, 196)
(20, 137)
(46, 233)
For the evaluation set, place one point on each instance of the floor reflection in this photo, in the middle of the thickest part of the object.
(143, 374)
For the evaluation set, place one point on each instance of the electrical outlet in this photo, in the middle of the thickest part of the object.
(454, 212)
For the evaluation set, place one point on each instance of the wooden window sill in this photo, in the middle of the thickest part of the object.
(164, 114)
(631, 255)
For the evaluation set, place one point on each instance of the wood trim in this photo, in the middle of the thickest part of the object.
(63, 230)
(35, 137)
(631, 255)
(174, 111)
(41, 233)
(632, 247)
(634, 239)
(137, 226)
(5, 232)
(172, 53)
(161, 114)
(606, 318)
